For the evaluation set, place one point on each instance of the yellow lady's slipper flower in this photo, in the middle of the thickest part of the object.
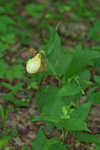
(33, 65)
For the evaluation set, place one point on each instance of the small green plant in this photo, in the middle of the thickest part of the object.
(4, 140)
(35, 10)
(61, 105)
(94, 32)
(3, 115)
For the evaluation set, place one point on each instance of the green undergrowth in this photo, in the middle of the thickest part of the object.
(62, 106)
(76, 71)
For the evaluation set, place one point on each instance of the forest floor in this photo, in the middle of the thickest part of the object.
(73, 29)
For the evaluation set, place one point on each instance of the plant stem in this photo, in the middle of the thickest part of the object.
(64, 134)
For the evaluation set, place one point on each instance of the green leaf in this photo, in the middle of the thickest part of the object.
(18, 87)
(81, 112)
(7, 85)
(16, 71)
(77, 119)
(8, 38)
(57, 60)
(33, 85)
(3, 46)
(24, 148)
(39, 141)
(97, 79)
(69, 89)
(7, 20)
(50, 105)
(3, 68)
(52, 15)
(4, 140)
(78, 63)
(48, 102)
(44, 97)
(9, 7)
(2, 10)
(20, 103)
(35, 10)
(97, 146)
(84, 78)
(81, 59)
(49, 126)
(92, 54)
(94, 98)
(14, 88)
(54, 44)
(94, 32)
(53, 144)
(85, 137)
(3, 28)
(72, 124)
(9, 97)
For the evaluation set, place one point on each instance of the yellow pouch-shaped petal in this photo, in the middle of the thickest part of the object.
(33, 65)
